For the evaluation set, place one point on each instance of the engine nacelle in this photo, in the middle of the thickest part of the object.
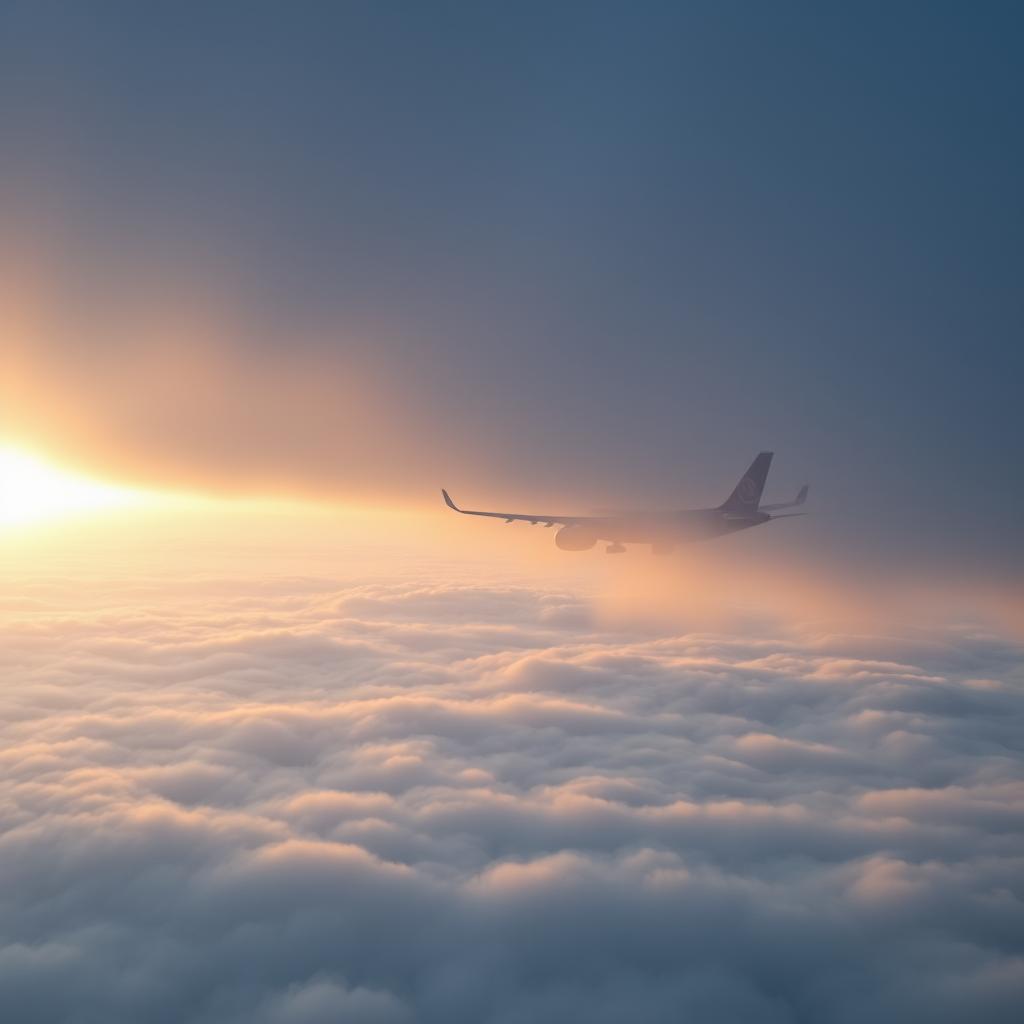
(575, 538)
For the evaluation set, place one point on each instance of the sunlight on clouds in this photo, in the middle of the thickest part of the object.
(432, 793)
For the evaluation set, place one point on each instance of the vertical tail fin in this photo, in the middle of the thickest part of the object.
(747, 494)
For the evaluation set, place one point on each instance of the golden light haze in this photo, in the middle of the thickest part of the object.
(170, 383)
(34, 491)
(55, 517)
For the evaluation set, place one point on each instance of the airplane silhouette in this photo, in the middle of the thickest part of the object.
(662, 530)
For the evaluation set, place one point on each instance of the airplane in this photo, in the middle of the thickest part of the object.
(662, 530)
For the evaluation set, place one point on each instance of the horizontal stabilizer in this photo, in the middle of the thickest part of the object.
(800, 498)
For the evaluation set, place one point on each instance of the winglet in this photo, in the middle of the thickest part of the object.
(448, 501)
(802, 496)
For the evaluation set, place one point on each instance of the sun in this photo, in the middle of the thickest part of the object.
(33, 490)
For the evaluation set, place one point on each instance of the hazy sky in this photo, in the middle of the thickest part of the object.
(541, 250)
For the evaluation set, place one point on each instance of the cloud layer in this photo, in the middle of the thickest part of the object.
(304, 800)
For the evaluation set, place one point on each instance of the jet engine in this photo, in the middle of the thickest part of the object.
(575, 538)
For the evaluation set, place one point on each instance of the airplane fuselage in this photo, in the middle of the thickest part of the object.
(660, 529)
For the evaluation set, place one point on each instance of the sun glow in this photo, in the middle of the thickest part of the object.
(33, 490)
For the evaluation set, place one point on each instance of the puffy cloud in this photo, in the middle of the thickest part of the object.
(311, 801)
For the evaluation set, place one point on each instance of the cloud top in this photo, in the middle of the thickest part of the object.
(392, 802)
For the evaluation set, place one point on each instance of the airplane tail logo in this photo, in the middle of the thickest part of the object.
(746, 496)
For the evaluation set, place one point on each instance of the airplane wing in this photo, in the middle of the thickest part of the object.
(513, 517)
(798, 500)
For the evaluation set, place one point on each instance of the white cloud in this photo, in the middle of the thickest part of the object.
(390, 803)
